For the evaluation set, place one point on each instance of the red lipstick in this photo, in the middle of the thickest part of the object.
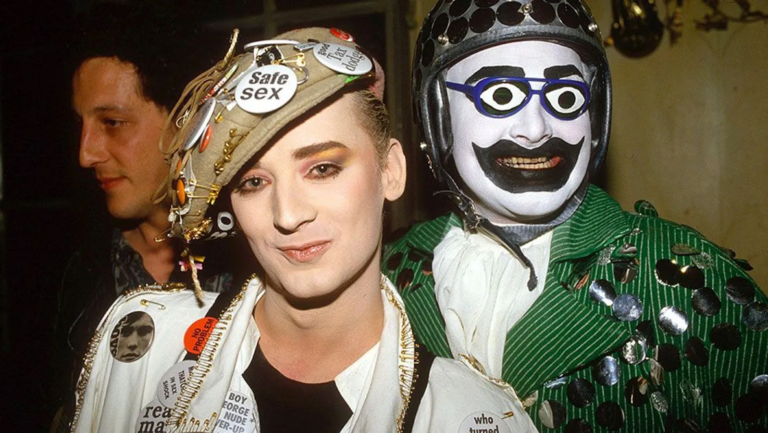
(306, 252)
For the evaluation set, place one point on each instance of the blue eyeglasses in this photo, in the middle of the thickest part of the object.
(501, 97)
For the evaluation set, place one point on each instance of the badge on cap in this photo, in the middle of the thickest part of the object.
(198, 124)
(206, 139)
(341, 34)
(238, 414)
(342, 59)
(266, 89)
(173, 379)
(197, 334)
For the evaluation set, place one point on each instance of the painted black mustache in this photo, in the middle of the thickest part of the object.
(517, 169)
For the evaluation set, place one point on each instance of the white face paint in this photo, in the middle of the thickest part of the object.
(513, 167)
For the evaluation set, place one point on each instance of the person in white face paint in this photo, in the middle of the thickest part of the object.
(299, 154)
(597, 317)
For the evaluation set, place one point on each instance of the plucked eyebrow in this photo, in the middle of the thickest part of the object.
(314, 149)
(555, 72)
(495, 71)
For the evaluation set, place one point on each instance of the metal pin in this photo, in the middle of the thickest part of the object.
(145, 302)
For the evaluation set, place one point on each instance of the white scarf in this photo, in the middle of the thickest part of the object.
(482, 292)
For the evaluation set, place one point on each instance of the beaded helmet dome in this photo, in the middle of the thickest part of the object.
(455, 29)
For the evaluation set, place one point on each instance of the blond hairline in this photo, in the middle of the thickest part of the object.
(374, 117)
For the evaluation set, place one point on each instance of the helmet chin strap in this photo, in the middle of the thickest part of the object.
(511, 236)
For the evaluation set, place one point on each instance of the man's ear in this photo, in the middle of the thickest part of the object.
(394, 171)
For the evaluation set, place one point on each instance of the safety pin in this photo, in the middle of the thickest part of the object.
(298, 60)
(145, 302)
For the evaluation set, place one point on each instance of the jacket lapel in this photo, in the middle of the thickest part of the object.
(560, 333)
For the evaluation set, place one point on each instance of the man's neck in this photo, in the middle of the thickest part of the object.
(157, 257)
(314, 346)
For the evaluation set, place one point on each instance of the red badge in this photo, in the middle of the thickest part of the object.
(198, 333)
(206, 139)
(341, 34)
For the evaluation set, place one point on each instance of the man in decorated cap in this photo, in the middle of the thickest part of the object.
(291, 140)
(599, 318)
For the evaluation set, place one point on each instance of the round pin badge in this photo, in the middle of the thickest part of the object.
(483, 421)
(181, 193)
(172, 380)
(153, 417)
(206, 139)
(266, 89)
(238, 414)
(198, 124)
(198, 333)
(342, 59)
(132, 337)
(341, 34)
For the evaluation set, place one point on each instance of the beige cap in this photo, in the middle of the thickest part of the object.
(236, 108)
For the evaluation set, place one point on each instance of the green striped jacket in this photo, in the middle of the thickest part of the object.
(696, 358)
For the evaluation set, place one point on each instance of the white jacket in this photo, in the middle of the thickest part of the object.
(115, 396)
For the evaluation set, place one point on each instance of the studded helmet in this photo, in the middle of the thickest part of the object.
(455, 29)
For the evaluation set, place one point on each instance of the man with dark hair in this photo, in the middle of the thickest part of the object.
(129, 68)
(600, 319)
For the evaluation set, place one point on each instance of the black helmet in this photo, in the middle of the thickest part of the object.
(455, 29)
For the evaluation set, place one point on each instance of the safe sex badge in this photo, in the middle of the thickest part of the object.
(266, 89)
(342, 59)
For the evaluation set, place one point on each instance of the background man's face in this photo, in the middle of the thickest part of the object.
(523, 167)
(120, 135)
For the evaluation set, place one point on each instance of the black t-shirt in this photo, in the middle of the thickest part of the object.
(288, 406)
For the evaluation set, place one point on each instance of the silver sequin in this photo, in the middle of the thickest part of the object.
(556, 383)
(602, 292)
(627, 307)
(667, 272)
(759, 387)
(705, 302)
(691, 277)
(636, 391)
(657, 372)
(607, 371)
(627, 250)
(604, 256)
(703, 260)
(691, 393)
(740, 290)
(634, 350)
(625, 271)
(755, 316)
(552, 414)
(659, 401)
(684, 250)
(673, 321)
(581, 393)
